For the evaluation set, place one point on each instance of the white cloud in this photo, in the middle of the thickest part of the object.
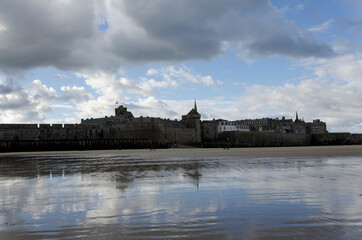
(61, 77)
(207, 80)
(151, 72)
(107, 84)
(150, 106)
(323, 27)
(176, 76)
(39, 91)
(3, 28)
(219, 82)
(109, 89)
(148, 85)
(28, 104)
(61, 106)
(290, 8)
(75, 93)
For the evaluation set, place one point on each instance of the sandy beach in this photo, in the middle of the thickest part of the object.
(310, 151)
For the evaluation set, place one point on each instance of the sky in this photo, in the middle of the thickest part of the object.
(64, 60)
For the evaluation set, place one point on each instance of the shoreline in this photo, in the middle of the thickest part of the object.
(260, 152)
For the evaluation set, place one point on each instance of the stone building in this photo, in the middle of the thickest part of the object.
(284, 125)
(257, 125)
(122, 116)
(316, 127)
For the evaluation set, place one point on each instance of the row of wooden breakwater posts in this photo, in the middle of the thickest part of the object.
(78, 144)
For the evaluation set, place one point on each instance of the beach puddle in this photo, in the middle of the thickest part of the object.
(106, 196)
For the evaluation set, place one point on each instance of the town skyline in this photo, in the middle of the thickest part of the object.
(64, 60)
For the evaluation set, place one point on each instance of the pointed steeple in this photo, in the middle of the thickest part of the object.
(296, 116)
(194, 110)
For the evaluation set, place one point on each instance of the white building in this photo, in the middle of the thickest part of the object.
(229, 126)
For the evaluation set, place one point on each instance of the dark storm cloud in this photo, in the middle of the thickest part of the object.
(44, 33)
(5, 89)
(198, 29)
(64, 33)
(289, 46)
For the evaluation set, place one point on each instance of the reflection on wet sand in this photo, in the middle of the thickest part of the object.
(110, 196)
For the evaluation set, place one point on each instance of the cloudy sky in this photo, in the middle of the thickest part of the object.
(63, 60)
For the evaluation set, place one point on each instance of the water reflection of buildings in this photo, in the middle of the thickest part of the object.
(119, 169)
(194, 173)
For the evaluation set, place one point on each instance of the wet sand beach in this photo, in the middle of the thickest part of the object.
(309, 151)
(183, 193)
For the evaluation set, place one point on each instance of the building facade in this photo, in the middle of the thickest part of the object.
(230, 126)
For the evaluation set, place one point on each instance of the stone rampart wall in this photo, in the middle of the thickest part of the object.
(271, 139)
(48, 132)
(152, 129)
(356, 138)
(183, 135)
(264, 139)
(83, 144)
(331, 139)
(142, 130)
(157, 130)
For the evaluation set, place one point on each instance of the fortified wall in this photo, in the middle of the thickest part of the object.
(260, 139)
(336, 139)
(9, 132)
(121, 126)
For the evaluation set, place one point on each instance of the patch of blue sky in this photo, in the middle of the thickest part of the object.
(311, 13)
(103, 26)
(59, 113)
(138, 71)
(325, 18)
(269, 71)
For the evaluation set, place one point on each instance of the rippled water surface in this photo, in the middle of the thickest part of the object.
(115, 197)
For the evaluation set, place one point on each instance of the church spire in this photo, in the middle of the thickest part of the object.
(194, 110)
(296, 116)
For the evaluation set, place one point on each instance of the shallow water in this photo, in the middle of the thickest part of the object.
(114, 197)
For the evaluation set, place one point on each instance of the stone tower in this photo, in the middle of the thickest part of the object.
(122, 111)
(192, 120)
